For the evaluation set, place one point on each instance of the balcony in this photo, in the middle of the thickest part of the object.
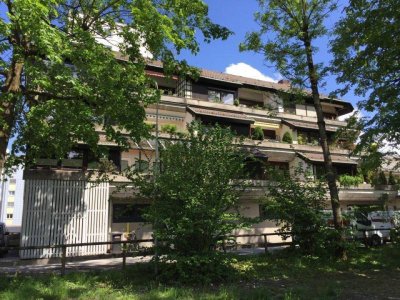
(246, 110)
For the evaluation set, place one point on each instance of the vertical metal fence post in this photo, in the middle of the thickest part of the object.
(124, 256)
(63, 259)
(265, 243)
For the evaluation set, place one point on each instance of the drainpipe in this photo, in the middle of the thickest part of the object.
(155, 173)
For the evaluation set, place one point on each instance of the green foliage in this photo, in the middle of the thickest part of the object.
(284, 27)
(287, 138)
(347, 136)
(286, 37)
(301, 139)
(365, 59)
(74, 81)
(198, 269)
(236, 102)
(381, 180)
(169, 128)
(349, 180)
(258, 133)
(254, 277)
(194, 200)
(392, 180)
(297, 207)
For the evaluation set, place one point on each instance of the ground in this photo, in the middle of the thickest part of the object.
(372, 273)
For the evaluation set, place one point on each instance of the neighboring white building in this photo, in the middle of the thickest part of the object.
(11, 200)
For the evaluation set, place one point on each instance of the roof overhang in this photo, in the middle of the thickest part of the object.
(319, 158)
(306, 125)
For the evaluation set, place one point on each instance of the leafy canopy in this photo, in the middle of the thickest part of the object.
(366, 58)
(58, 81)
(284, 27)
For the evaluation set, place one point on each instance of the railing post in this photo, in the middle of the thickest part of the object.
(123, 256)
(63, 259)
(265, 243)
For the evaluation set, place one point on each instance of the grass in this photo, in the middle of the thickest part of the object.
(367, 274)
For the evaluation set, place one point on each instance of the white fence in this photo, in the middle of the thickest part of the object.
(64, 212)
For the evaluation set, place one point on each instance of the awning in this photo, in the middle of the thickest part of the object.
(305, 125)
(318, 158)
(159, 74)
(264, 125)
(235, 117)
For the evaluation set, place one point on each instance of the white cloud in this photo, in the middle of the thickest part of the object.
(356, 113)
(243, 69)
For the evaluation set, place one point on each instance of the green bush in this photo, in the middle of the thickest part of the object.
(169, 128)
(258, 134)
(380, 179)
(287, 138)
(348, 180)
(236, 102)
(301, 139)
(197, 269)
(392, 180)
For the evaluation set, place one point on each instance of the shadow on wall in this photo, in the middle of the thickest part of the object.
(60, 212)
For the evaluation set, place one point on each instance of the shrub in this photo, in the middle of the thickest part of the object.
(297, 207)
(287, 138)
(258, 133)
(381, 180)
(392, 180)
(348, 180)
(197, 269)
(301, 140)
(169, 128)
(236, 102)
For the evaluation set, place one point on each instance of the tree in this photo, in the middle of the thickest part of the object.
(58, 81)
(195, 195)
(366, 58)
(292, 27)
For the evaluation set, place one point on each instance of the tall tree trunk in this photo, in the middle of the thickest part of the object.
(330, 174)
(10, 92)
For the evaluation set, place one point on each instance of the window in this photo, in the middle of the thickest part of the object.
(128, 213)
(9, 216)
(11, 193)
(221, 96)
(10, 204)
(13, 181)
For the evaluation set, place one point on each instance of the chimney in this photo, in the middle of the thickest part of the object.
(284, 81)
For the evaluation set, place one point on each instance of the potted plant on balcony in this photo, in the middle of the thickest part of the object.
(257, 134)
(347, 181)
(236, 102)
(287, 138)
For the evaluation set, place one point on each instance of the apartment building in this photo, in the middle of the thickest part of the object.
(62, 206)
(11, 200)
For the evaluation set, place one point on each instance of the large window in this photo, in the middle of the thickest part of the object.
(221, 96)
(128, 213)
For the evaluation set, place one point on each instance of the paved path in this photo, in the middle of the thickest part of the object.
(12, 264)
(84, 265)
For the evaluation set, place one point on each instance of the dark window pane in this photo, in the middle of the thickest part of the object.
(128, 213)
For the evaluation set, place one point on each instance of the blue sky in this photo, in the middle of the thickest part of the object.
(237, 15)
